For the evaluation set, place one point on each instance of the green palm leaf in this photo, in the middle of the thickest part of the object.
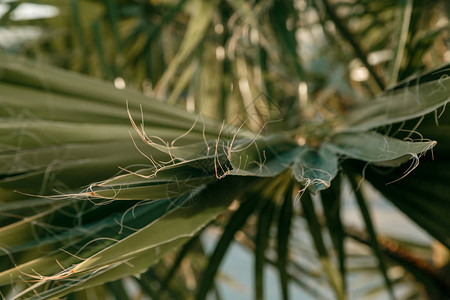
(97, 182)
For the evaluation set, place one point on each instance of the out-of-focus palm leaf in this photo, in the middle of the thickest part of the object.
(316, 234)
(362, 203)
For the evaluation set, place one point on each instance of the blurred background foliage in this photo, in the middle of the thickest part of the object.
(272, 66)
